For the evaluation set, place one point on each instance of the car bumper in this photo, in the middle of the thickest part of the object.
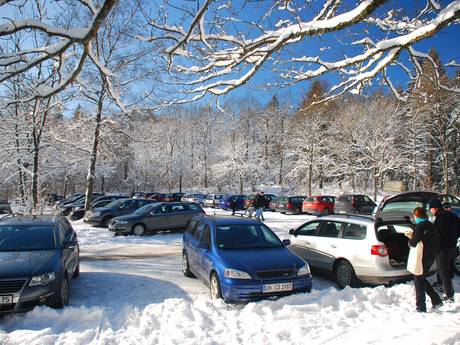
(93, 221)
(120, 229)
(30, 297)
(240, 291)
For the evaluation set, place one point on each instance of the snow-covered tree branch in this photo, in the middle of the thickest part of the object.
(214, 48)
(51, 34)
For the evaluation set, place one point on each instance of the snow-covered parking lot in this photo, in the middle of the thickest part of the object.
(132, 291)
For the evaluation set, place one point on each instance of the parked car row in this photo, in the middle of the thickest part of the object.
(239, 259)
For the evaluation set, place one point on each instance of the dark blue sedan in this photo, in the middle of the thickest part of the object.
(241, 260)
(226, 202)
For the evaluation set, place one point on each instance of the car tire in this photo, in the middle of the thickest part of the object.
(138, 230)
(326, 211)
(62, 298)
(105, 222)
(214, 287)
(185, 266)
(201, 204)
(345, 275)
(76, 273)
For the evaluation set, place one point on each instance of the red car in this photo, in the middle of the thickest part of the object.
(320, 204)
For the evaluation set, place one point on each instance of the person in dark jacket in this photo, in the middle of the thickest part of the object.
(447, 226)
(425, 232)
(259, 205)
(233, 205)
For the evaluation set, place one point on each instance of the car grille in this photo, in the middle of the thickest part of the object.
(11, 286)
(6, 307)
(284, 273)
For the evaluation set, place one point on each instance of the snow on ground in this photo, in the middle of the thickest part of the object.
(141, 297)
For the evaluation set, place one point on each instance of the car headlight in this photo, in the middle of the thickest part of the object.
(43, 279)
(235, 274)
(304, 270)
(122, 222)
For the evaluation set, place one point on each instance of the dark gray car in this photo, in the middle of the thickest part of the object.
(121, 207)
(354, 204)
(39, 256)
(155, 217)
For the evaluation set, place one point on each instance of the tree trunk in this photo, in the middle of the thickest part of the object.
(93, 156)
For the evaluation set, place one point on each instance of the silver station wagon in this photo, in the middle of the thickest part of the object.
(359, 249)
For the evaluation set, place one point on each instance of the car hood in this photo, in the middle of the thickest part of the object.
(24, 264)
(385, 213)
(248, 260)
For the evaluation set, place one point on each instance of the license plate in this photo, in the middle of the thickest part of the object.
(277, 287)
(6, 299)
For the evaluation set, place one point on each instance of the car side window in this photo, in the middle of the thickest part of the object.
(354, 231)
(206, 236)
(190, 226)
(198, 230)
(367, 199)
(177, 208)
(193, 207)
(309, 229)
(330, 229)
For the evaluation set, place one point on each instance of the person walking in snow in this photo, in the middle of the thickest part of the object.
(259, 205)
(426, 233)
(233, 205)
(447, 227)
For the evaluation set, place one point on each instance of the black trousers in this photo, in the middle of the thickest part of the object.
(422, 286)
(445, 261)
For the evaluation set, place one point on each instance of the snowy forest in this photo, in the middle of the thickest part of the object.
(111, 96)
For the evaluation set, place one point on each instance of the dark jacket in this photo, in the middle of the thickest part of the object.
(259, 202)
(427, 233)
(447, 225)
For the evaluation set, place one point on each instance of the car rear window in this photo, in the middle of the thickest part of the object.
(194, 207)
(26, 238)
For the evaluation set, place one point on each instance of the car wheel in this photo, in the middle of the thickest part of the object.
(345, 275)
(62, 298)
(457, 262)
(326, 211)
(201, 204)
(214, 287)
(106, 221)
(76, 273)
(185, 266)
(138, 230)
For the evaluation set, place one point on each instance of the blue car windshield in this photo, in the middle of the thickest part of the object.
(246, 236)
(26, 238)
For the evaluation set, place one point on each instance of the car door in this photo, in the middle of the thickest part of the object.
(69, 245)
(194, 253)
(302, 238)
(161, 217)
(179, 216)
(324, 246)
(203, 252)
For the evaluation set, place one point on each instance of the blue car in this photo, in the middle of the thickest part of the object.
(226, 202)
(241, 260)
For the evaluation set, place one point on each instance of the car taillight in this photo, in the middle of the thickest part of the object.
(379, 250)
(289, 205)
